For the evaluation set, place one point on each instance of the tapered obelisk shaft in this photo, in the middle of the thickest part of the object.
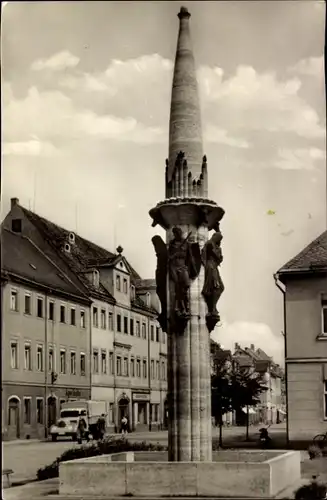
(185, 132)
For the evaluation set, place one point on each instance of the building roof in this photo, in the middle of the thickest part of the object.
(21, 258)
(147, 284)
(312, 258)
(258, 358)
(83, 256)
(138, 303)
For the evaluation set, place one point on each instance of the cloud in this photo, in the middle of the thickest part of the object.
(145, 71)
(243, 111)
(33, 147)
(249, 101)
(247, 333)
(295, 159)
(123, 129)
(57, 62)
(312, 66)
(219, 136)
(245, 101)
(53, 116)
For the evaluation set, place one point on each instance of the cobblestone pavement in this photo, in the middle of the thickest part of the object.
(26, 457)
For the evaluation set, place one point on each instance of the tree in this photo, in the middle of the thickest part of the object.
(232, 386)
(246, 385)
(220, 385)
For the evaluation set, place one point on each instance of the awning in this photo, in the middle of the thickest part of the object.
(251, 411)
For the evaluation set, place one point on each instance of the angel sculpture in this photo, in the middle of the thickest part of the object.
(213, 285)
(182, 262)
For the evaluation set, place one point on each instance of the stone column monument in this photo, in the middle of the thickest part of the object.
(187, 276)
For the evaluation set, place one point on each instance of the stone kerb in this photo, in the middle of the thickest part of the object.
(284, 472)
(248, 474)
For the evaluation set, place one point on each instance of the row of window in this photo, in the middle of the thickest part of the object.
(39, 359)
(125, 325)
(122, 366)
(122, 327)
(64, 315)
(102, 363)
(70, 317)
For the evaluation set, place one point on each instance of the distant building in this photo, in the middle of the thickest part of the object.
(303, 282)
(271, 408)
(127, 350)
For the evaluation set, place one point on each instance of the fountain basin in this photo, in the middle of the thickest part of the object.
(232, 473)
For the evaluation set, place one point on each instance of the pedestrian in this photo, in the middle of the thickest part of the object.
(124, 423)
(81, 429)
(101, 426)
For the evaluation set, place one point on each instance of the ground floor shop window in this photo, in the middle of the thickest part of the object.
(155, 412)
(39, 410)
(27, 411)
(111, 413)
(142, 416)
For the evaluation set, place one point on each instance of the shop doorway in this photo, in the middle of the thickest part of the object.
(14, 417)
(123, 411)
(52, 411)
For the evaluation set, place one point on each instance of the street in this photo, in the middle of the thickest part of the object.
(25, 457)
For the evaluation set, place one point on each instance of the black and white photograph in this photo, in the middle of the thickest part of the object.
(163, 249)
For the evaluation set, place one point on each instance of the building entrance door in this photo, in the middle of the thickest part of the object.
(13, 417)
(52, 411)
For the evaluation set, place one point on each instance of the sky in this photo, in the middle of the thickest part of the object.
(85, 111)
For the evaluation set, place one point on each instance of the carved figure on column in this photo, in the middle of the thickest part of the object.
(161, 278)
(184, 262)
(213, 285)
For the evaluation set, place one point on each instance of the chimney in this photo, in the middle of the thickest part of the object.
(237, 345)
(252, 347)
(14, 202)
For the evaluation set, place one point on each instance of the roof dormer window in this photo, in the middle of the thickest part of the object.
(148, 299)
(67, 247)
(16, 225)
(96, 278)
(132, 292)
(71, 237)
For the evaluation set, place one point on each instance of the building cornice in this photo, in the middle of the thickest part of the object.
(306, 360)
(103, 298)
(309, 272)
(16, 278)
(122, 345)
